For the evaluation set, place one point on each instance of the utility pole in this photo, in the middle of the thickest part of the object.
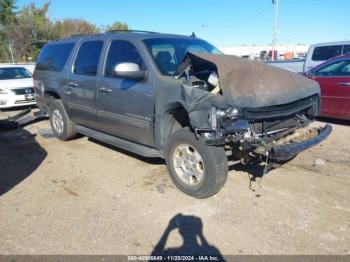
(275, 28)
(10, 47)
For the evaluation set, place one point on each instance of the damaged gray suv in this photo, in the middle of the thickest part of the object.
(178, 98)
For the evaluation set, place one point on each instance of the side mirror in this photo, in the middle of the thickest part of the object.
(309, 73)
(129, 71)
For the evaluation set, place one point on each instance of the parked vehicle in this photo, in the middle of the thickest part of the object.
(263, 55)
(178, 98)
(29, 66)
(334, 79)
(16, 87)
(295, 65)
(320, 53)
(317, 54)
(275, 55)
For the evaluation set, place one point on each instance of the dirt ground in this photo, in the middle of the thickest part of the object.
(83, 197)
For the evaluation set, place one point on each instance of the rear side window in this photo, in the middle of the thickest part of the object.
(323, 53)
(54, 57)
(122, 51)
(88, 57)
(346, 50)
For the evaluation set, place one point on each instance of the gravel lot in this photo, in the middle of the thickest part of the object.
(83, 197)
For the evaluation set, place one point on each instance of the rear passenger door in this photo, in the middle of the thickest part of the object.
(81, 87)
(127, 109)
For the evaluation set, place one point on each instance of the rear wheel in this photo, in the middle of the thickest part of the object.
(196, 169)
(62, 127)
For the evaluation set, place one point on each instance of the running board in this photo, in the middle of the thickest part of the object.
(118, 142)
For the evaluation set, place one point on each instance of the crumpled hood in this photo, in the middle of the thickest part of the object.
(247, 83)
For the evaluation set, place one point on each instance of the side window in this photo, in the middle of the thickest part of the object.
(88, 57)
(346, 50)
(323, 53)
(341, 68)
(54, 57)
(158, 50)
(345, 70)
(165, 57)
(196, 49)
(121, 51)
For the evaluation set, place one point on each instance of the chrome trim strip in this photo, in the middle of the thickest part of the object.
(125, 119)
(82, 108)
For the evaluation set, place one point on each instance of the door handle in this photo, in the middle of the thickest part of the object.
(73, 84)
(105, 90)
(344, 84)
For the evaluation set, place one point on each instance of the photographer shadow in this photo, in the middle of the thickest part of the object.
(194, 242)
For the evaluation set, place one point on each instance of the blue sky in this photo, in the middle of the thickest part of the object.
(221, 22)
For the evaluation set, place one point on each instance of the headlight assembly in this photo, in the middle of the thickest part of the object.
(3, 91)
(217, 116)
(231, 113)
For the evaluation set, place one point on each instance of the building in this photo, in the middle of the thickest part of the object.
(261, 52)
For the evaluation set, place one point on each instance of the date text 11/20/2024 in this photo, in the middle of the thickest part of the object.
(174, 258)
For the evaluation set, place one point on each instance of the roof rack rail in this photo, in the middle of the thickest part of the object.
(88, 34)
(112, 31)
(76, 35)
(130, 31)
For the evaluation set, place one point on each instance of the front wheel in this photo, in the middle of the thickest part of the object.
(196, 169)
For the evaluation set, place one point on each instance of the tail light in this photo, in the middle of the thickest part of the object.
(35, 83)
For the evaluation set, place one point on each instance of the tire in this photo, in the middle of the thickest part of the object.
(209, 169)
(62, 127)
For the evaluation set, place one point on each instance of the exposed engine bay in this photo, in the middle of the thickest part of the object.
(225, 109)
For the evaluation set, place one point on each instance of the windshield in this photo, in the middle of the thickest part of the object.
(168, 53)
(14, 73)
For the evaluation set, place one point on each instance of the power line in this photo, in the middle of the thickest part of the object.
(254, 16)
(248, 19)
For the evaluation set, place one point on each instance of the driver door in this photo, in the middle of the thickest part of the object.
(126, 106)
(334, 80)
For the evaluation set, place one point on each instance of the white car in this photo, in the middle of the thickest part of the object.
(16, 87)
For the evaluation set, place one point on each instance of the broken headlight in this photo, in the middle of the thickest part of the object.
(218, 116)
(231, 113)
(225, 125)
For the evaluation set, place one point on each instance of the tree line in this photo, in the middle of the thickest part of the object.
(24, 31)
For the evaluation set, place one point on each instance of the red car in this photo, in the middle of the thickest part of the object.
(334, 79)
